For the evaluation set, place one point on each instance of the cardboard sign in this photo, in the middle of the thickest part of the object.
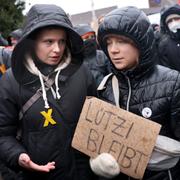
(103, 127)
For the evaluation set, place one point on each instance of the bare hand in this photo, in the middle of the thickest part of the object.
(25, 161)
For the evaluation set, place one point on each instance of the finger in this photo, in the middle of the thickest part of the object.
(43, 168)
(51, 165)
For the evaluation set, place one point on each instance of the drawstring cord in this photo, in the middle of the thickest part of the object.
(44, 95)
(58, 96)
(169, 174)
(29, 64)
(55, 94)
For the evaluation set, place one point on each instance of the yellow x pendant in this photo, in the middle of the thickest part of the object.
(48, 117)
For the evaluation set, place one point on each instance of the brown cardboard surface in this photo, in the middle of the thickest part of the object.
(103, 127)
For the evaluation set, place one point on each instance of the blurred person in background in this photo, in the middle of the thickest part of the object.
(14, 37)
(169, 43)
(6, 51)
(94, 59)
(3, 41)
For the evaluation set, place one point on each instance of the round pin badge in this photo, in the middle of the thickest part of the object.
(146, 112)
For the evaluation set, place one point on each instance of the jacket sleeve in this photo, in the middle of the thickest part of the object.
(175, 109)
(10, 147)
(165, 56)
(91, 84)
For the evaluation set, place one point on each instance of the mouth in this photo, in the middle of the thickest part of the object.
(55, 57)
(117, 59)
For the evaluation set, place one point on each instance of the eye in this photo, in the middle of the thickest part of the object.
(108, 42)
(62, 42)
(48, 41)
(120, 41)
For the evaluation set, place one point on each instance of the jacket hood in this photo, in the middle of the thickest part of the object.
(175, 9)
(39, 16)
(133, 23)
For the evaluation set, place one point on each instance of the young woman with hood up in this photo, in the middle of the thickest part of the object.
(143, 88)
(46, 65)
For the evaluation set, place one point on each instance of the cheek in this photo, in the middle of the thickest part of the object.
(109, 52)
(38, 51)
(63, 49)
(41, 52)
(137, 57)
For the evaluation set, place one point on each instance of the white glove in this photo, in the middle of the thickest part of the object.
(105, 165)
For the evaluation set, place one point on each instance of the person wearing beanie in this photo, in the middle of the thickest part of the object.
(138, 85)
(169, 43)
(41, 98)
(3, 41)
(6, 52)
(173, 22)
(14, 37)
(94, 59)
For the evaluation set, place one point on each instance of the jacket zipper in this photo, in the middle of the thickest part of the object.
(129, 93)
(127, 108)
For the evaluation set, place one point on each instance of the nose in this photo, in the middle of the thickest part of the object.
(114, 48)
(56, 47)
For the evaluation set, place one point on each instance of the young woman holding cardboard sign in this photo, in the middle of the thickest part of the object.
(138, 85)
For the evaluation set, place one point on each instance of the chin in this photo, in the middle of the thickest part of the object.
(120, 67)
(53, 63)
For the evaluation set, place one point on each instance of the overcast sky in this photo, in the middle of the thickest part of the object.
(79, 6)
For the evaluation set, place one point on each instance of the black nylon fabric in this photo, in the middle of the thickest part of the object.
(146, 86)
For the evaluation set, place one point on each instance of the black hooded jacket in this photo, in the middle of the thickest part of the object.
(51, 142)
(147, 85)
(169, 43)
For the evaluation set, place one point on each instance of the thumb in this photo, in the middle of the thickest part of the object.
(24, 160)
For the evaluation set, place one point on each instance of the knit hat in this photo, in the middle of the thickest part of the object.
(172, 16)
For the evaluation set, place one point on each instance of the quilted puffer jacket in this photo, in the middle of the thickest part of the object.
(148, 90)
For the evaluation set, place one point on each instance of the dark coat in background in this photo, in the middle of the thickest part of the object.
(93, 58)
(98, 64)
(169, 43)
